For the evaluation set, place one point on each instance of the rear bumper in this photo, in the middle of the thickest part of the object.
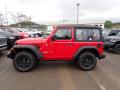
(102, 56)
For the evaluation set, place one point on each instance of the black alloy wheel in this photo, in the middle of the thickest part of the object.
(117, 49)
(24, 61)
(86, 61)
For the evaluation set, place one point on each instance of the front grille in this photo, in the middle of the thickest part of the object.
(10, 41)
(3, 41)
(107, 39)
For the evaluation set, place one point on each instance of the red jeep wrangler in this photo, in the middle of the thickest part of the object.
(81, 44)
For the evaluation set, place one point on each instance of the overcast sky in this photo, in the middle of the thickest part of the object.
(56, 10)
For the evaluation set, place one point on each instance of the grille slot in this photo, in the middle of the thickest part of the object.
(3, 41)
(107, 39)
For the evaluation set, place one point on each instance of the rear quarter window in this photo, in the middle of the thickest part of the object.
(87, 34)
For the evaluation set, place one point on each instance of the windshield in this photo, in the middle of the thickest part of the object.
(114, 32)
(118, 34)
(22, 30)
(8, 30)
(33, 30)
(16, 30)
(25, 30)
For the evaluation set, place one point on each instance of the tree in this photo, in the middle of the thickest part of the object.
(2, 20)
(19, 18)
(108, 24)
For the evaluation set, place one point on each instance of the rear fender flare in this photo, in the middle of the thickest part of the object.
(85, 48)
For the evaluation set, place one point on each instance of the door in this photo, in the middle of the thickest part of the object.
(61, 46)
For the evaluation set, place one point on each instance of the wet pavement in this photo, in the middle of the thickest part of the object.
(61, 75)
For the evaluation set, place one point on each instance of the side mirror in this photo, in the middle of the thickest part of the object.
(53, 37)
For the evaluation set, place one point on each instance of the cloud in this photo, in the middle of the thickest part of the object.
(55, 10)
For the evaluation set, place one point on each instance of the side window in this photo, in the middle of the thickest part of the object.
(63, 34)
(113, 33)
(87, 34)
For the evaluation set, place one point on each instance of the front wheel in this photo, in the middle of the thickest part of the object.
(86, 61)
(24, 61)
(117, 49)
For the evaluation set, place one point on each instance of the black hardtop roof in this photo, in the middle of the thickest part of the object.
(77, 26)
(115, 30)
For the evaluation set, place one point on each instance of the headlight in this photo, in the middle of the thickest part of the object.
(11, 38)
(113, 40)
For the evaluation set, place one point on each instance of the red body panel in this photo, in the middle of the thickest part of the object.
(58, 49)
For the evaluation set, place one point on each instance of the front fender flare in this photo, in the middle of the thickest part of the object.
(33, 48)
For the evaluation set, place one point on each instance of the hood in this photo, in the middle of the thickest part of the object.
(7, 34)
(2, 36)
(113, 37)
(30, 32)
(30, 41)
(15, 34)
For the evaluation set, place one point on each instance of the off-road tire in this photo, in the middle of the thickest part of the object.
(117, 48)
(24, 61)
(86, 61)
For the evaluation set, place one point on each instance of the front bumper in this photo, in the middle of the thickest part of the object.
(109, 44)
(3, 48)
(11, 41)
(10, 54)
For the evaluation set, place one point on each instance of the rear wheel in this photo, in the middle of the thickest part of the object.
(117, 49)
(86, 61)
(24, 61)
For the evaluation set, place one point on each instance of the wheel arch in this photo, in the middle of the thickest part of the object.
(28, 48)
(87, 49)
(118, 42)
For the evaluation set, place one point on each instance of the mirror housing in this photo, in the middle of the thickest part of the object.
(53, 37)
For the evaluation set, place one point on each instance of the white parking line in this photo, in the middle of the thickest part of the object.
(3, 71)
(101, 86)
(98, 83)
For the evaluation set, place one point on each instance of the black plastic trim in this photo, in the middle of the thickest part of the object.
(83, 48)
(34, 49)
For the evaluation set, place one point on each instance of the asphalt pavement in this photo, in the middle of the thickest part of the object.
(61, 75)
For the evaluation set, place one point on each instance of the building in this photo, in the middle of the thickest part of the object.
(97, 24)
(93, 22)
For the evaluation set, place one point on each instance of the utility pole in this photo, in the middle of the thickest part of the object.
(6, 14)
(78, 4)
